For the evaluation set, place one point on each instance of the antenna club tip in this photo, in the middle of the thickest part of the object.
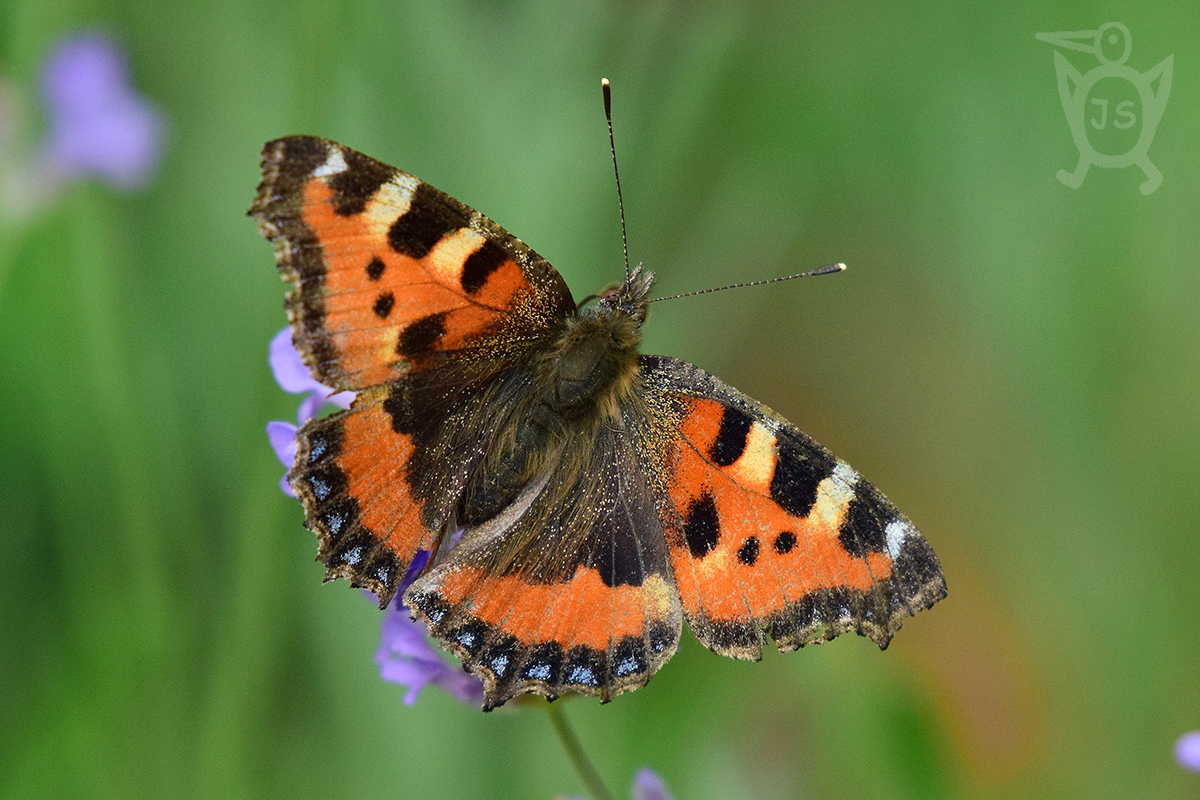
(604, 82)
(828, 269)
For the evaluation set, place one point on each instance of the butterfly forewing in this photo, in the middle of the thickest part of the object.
(388, 274)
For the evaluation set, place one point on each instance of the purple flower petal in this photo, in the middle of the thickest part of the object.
(1187, 751)
(99, 124)
(648, 785)
(290, 371)
(407, 657)
(310, 406)
(341, 399)
(282, 436)
(83, 70)
(294, 377)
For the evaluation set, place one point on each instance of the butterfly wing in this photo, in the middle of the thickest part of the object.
(390, 275)
(422, 306)
(570, 587)
(769, 531)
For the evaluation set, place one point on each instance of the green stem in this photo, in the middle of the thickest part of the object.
(579, 760)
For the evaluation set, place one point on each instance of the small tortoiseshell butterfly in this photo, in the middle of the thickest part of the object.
(604, 496)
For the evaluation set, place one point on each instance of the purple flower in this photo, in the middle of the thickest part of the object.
(405, 656)
(282, 436)
(1187, 751)
(647, 785)
(293, 376)
(98, 123)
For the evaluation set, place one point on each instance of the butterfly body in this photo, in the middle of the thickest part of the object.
(604, 496)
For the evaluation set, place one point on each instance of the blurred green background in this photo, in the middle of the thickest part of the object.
(1015, 363)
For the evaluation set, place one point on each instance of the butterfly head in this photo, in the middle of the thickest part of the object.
(628, 298)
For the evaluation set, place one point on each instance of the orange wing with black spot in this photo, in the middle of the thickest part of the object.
(390, 275)
(417, 302)
(770, 532)
(570, 588)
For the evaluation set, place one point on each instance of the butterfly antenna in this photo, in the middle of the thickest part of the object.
(612, 145)
(825, 270)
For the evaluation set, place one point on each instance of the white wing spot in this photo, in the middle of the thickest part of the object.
(390, 202)
(845, 473)
(896, 532)
(833, 498)
(335, 163)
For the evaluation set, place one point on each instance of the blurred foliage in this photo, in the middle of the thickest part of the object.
(1015, 363)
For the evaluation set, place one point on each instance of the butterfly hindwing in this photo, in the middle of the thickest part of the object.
(350, 475)
(768, 531)
(569, 589)
(389, 275)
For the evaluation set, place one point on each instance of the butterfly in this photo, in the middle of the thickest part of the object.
(603, 497)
